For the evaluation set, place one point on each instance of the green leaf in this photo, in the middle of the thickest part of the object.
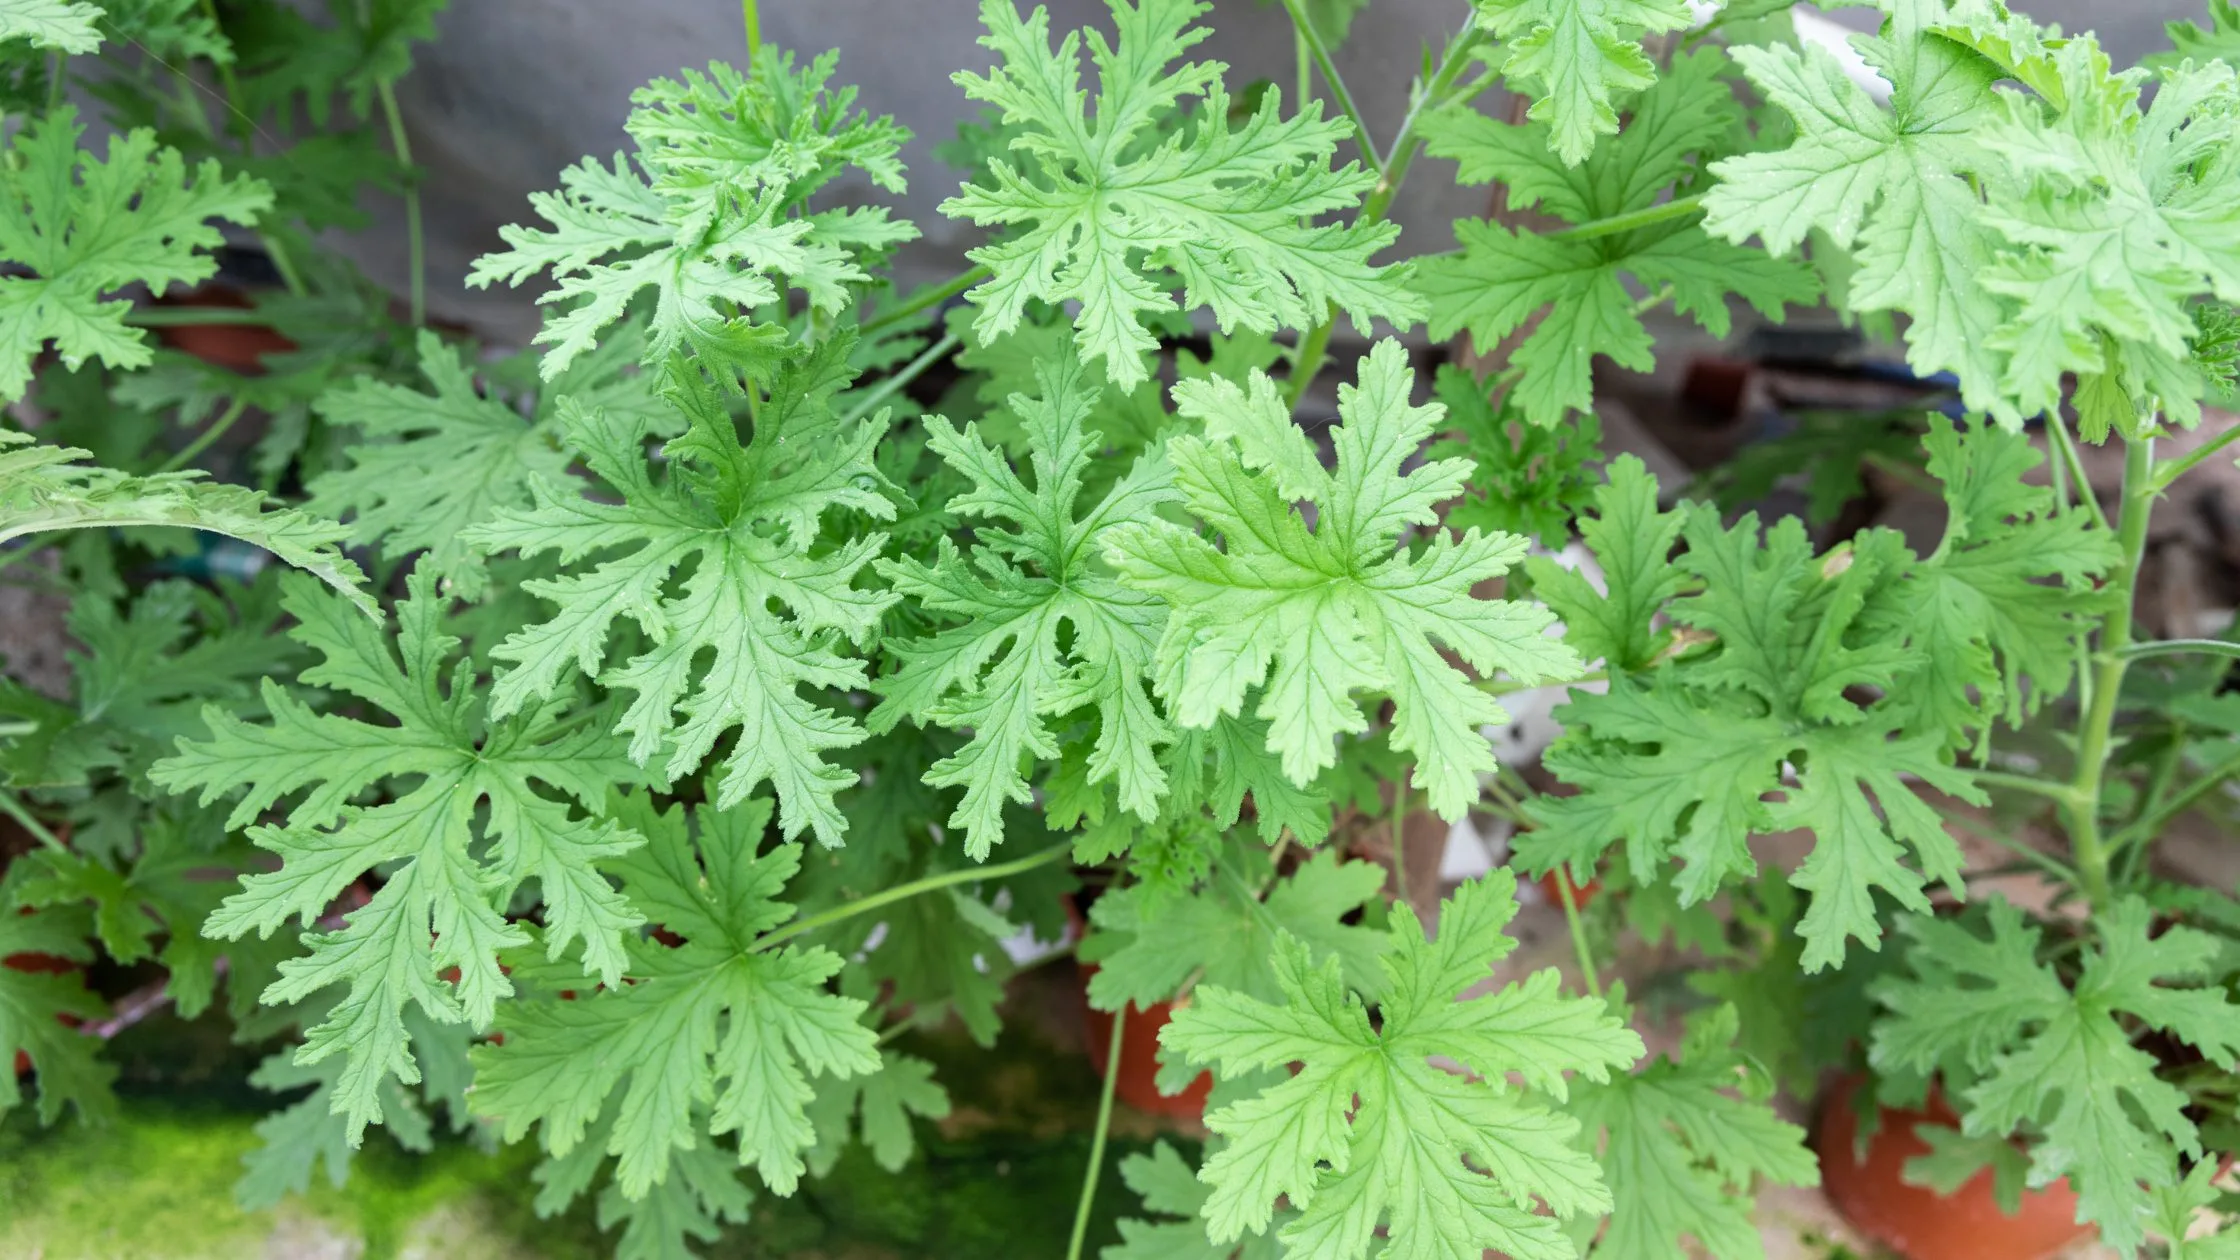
(1890, 187)
(455, 846)
(2179, 1205)
(1576, 289)
(1045, 629)
(47, 488)
(38, 1007)
(1682, 1153)
(1632, 540)
(62, 24)
(1226, 932)
(1526, 478)
(2221, 42)
(1370, 1130)
(712, 1022)
(2060, 1058)
(709, 214)
(1955, 1159)
(81, 227)
(1170, 1188)
(1115, 213)
(743, 522)
(1333, 609)
(1581, 56)
(881, 1104)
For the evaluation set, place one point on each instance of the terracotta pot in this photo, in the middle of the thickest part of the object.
(1917, 1222)
(235, 347)
(1138, 1085)
(1580, 893)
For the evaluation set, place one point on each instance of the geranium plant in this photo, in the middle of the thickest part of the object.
(666, 724)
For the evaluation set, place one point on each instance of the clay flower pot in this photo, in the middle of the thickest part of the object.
(1139, 1060)
(235, 347)
(1917, 1222)
(1581, 894)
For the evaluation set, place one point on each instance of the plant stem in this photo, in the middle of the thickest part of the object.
(1399, 829)
(13, 808)
(1678, 207)
(753, 19)
(897, 380)
(2147, 824)
(1306, 361)
(903, 892)
(2057, 430)
(2043, 861)
(2059, 792)
(215, 430)
(1304, 30)
(2182, 647)
(1510, 686)
(1096, 1142)
(923, 299)
(194, 316)
(1578, 928)
(2096, 729)
(415, 246)
(2173, 469)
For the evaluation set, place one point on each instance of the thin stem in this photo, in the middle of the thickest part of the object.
(193, 316)
(2173, 469)
(215, 430)
(1399, 828)
(753, 19)
(2097, 727)
(11, 730)
(2059, 792)
(1096, 1142)
(903, 892)
(1331, 79)
(1678, 207)
(1654, 300)
(897, 380)
(2170, 807)
(415, 245)
(2043, 861)
(13, 808)
(1510, 686)
(234, 117)
(2058, 430)
(2182, 647)
(923, 299)
(1578, 928)
(1306, 361)
(1302, 69)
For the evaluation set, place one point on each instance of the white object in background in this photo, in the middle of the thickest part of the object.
(1466, 857)
(1532, 725)
(1813, 29)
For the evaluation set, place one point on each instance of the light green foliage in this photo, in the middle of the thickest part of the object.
(1955, 1159)
(709, 214)
(880, 1105)
(742, 520)
(1525, 478)
(46, 488)
(1682, 1153)
(2177, 1210)
(456, 845)
(1043, 628)
(1946, 646)
(66, 25)
(2221, 42)
(714, 1036)
(1118, 209)
(1577, 288)
(84, 227)
(1580, 58)
(39, 1002)
(1225, 932)
(1632, 541)
(1169, 1188)
(2057, 1059)
(1333, 609)
(703, 1193)
(1369, 1130)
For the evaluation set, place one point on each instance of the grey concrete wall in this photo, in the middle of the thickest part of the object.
(517, 89)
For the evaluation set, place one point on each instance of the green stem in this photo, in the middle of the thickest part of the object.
(194, 316)
(2059, 792)
(1306, 361)
(1678, 207)
(1302, 69)
(1510, 686)
(2096, 730)
(13, 730)
(415, 245)
(1399, 826)
(903, 892)
(217, 429)
(2182, 647)
(1331, 79)
(2058, 430)
(897, 380)
(753, 19)
(924, 298)
(13, 808)
(2043, 861)
(1096, 1141)
(2171, 470)
(2171, 807)
(1578, 928)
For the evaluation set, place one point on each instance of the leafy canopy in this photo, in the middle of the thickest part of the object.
(715, 1035)
(1115, 210)
(2058, 1060)
(64, 25)
(703, 559)
(1044, 628)
(1576, 288)
(456, 846)
(82, 227)
(1334, 609)
(1370, 1130)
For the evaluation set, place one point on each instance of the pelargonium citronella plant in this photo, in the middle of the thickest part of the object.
(709, 714)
